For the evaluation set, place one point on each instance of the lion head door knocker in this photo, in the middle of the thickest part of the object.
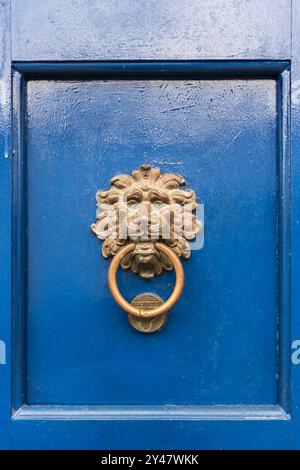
(146, 221)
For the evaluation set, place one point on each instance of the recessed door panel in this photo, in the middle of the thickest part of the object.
(220, 346)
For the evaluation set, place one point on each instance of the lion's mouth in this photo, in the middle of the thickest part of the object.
(146, 261)
(144, 249)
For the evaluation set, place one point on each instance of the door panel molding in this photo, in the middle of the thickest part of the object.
(279, 70)
(193, 413)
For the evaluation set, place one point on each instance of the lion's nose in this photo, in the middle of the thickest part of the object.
(145, 208)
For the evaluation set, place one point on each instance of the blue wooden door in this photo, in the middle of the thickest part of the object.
(202, 88)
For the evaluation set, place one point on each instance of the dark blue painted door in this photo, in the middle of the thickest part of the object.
(196, 88)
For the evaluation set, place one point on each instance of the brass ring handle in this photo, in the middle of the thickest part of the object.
(138, 312)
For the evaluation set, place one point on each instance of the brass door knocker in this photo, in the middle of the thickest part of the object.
(146, 221)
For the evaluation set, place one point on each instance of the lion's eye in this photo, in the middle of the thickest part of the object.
(157, 204)
(132, 204)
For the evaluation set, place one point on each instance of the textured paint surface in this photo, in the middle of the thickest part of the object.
(215, 350)
(150, 29)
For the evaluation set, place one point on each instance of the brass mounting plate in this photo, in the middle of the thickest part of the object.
(143, 324)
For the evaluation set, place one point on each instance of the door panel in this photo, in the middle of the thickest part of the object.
(150, 30)
(221, 136)
(90, 90)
